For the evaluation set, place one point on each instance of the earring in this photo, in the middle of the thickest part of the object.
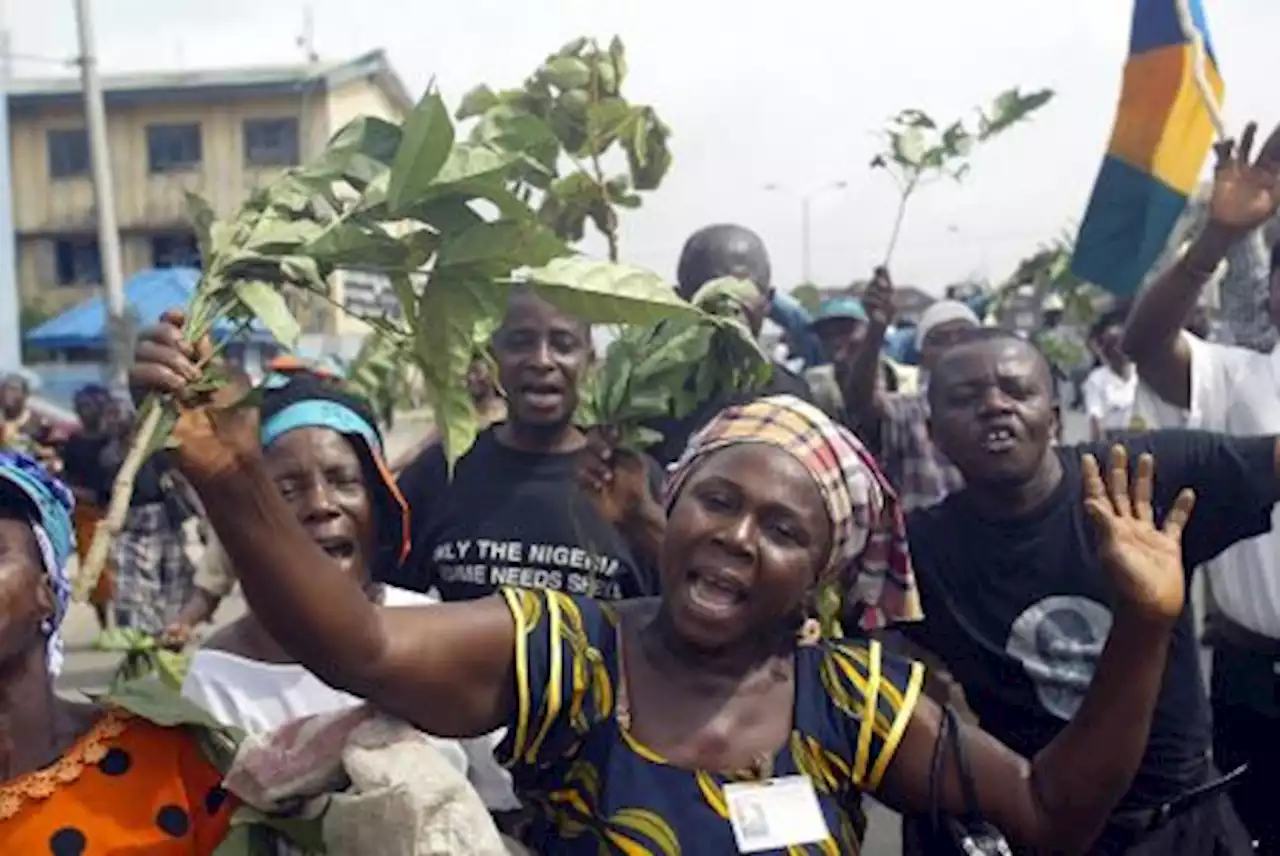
(810, 632)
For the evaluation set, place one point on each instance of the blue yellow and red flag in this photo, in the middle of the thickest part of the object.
(1163, 132)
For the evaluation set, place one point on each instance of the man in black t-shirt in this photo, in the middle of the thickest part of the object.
(711, 253)
(512, 513)
(1017, 605)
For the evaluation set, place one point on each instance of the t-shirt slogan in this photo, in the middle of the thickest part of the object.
(558, 567)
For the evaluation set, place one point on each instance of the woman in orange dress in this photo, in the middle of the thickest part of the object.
(80, 779)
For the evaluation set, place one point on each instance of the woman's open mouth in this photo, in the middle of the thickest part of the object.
(714, 592)
(338, 549)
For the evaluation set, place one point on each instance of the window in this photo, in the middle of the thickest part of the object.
(271, 142)
(173, 148)
(68, 153)
(77, 261)
(176, 249)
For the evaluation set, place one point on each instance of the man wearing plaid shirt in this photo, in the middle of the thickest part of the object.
(896, 425)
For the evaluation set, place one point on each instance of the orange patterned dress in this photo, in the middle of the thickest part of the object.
(126, 786)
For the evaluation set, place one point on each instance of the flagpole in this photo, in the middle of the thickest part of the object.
(1201, 60)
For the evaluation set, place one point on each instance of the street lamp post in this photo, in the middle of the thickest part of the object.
(806, 210)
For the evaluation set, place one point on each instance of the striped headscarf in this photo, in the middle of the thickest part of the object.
(50, 504)
(870, 564)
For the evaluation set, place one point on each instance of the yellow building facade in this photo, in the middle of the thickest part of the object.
(219, 134)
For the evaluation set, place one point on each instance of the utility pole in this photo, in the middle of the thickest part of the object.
(806, 221)
(806, 246)
(118, 332)
(10, 300)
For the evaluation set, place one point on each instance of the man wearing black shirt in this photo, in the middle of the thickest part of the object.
(712, 253)
(512, 513)
(1016, 603)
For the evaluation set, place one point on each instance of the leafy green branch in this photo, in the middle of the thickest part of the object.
(436, 215)
(572, 109)
(919, 152)
(668, 369)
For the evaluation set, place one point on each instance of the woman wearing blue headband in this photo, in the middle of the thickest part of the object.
(325, 456)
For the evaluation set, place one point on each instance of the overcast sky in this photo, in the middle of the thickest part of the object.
(787, 93)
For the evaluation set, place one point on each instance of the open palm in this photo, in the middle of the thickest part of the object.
(1144, 560)
(1246, 193)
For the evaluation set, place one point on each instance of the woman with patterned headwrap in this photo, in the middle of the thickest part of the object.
(80, 778)
(704, 721)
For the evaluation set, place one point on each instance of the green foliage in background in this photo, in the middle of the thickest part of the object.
(572, 110)
(919, 151)
(669, 368)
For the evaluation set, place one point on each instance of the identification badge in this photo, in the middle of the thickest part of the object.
(775, 814)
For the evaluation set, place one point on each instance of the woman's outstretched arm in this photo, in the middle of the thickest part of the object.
(445, 668)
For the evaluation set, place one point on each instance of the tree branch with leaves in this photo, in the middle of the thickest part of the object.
(572, 110)
(919, 152)
(439, 218)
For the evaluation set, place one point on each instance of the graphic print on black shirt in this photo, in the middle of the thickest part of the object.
(511, 518)
(1019, 610)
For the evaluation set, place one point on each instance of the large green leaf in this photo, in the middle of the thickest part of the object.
(1011, 107)
(449, 314)
(606, 121)
(508, 243)
(360, 152)
(425, 149)
(618, 54)
(476, 102)
(908, 146)
(202, 220)
(275, 235)
(648, 157)
(468, 161)
(448, 216)
(350, 243)
(567, 72)
(270, 307)
(605, 293)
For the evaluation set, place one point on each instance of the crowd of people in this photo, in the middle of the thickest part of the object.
(910, 591)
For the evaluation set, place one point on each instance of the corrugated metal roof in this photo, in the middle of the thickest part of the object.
(325, 74)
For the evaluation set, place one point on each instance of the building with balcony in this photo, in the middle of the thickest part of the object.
(217, 133)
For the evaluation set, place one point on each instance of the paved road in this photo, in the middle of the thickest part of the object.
(86, 668)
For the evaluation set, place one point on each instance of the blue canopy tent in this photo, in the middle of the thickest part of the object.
(147, 296)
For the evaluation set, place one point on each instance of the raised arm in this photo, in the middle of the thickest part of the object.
(1059, 801)
(1245, 195)
(859, 373)
(445, 668)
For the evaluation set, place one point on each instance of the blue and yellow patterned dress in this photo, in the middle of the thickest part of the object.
(599, 791)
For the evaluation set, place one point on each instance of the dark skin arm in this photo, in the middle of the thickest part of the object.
(447, 668)
(1245, 195)
(1058, 801)
(859, 373)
